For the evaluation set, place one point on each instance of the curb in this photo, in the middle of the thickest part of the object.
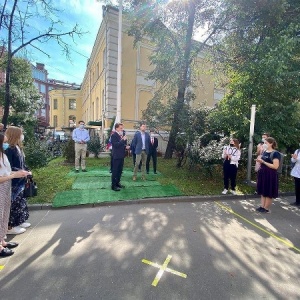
(48, 206)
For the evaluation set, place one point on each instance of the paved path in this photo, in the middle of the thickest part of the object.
(191, 250)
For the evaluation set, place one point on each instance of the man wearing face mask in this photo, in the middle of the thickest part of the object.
(261, 147)
(80, 136)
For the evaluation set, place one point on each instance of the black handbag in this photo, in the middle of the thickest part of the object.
(30, 187)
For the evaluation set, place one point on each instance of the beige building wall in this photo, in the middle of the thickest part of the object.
(65, 108)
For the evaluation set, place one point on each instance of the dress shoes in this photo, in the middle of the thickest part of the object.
(121, 186)
(116, 189)
(10, 245)
(6, 252)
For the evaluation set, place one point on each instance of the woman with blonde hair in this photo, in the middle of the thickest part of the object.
(19, 213)
(6, 175)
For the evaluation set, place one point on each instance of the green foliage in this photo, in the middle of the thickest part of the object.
(69, 151)
(95, 146)
(260, 57)
(36, 153)
(25, 98)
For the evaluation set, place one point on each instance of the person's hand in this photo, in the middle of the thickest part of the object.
(20, 174)
(127, 147)
(229, 156)
(259, 160)
(124, 138)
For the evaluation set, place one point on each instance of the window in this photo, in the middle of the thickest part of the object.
(72, 103)
(43, 88)
(55, 121)
(54, 103)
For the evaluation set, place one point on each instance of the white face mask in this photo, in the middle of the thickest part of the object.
(22, 137)
(263, 140)
(265, 146)
(81, 126)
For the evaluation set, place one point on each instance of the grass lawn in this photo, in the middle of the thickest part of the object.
(53, 179)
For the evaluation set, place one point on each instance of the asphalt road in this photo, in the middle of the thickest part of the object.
(191, 250)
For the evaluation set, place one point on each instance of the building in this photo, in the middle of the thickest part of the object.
(65, 108)
(44, 85)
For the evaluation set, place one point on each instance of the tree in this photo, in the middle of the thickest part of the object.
(25, 99)
(171, 26)
(16, 32)
(259, 53)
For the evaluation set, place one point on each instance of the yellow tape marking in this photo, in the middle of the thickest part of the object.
(162, 269)
(260, 228)
(1, 267)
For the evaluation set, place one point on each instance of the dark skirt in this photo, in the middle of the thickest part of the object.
(267, 182)
(19, 210)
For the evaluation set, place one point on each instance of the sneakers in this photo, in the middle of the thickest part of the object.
(225, 192)
(233, 192)
(6, 252)
(84, 170)
(25, 225)
(16, 230)
(259, 209)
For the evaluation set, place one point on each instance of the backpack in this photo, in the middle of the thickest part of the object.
(293, 163)
(279, 170)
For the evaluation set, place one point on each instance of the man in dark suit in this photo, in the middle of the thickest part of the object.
(140, 143)
(119, 142)
(152, 152)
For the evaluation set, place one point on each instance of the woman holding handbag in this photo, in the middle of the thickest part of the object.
(19, 213)
(6, 175)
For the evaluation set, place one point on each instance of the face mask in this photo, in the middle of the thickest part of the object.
(5, 146)
(22, 137)
(263, 140)
(81, 126)
(265, 146)
(231, 145)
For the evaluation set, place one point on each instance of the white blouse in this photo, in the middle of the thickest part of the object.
(296, 170)
(5, 169)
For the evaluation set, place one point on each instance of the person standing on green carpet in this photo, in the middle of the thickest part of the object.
(119, 145)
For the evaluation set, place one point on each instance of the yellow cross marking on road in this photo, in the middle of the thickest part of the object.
(162, 269)
(1, 267)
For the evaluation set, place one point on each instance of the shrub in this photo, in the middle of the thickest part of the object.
(95, 146)
(36, 153)
(69, 151)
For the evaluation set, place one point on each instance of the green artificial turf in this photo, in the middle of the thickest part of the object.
(84, 183)
(77, 197)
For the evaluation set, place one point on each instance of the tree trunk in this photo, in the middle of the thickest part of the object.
(8, 67)
(182, 82)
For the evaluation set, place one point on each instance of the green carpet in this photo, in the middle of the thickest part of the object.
(77, 197)
(85, 183)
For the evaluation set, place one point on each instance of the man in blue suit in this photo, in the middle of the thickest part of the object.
(141, 142)
(119, 142)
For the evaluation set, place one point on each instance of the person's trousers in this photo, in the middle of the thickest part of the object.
(229, 172)
(5, 203)
(140, 158)
(297, 189)
(117, 168)
(152, 155)
(134, 159)
(80, 152)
